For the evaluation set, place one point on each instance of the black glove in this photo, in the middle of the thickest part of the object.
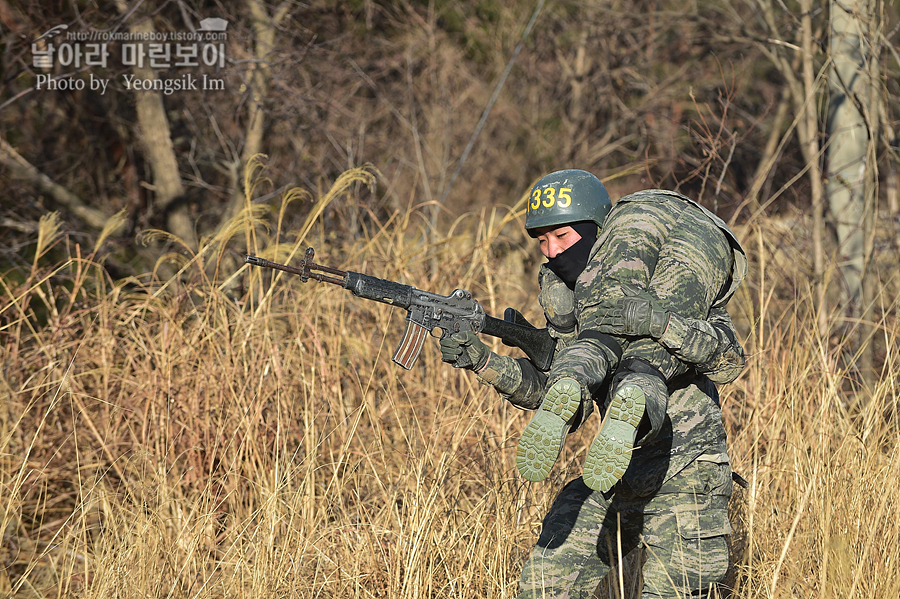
(638, 314)
(464, 350)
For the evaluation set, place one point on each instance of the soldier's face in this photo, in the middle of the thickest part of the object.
(555, 240)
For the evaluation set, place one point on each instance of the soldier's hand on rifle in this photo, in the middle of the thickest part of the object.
(464, 350)
(638, 314)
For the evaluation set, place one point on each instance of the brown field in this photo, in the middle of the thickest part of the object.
(227, 432)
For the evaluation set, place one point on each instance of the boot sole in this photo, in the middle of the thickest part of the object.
(610, 453)
(542, 439)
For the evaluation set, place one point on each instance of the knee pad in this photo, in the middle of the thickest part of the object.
(656, 395)
(633, 365)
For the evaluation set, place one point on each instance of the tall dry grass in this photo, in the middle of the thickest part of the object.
(228, 432)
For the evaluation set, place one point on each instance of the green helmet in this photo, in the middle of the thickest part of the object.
(564, 197)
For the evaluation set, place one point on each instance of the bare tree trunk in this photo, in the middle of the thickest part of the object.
(157, 141)
(848, 142)
(852, 168)
(892, 172)
(264, 28)
(869, 282)
(803, 93)
(893, 200)
(809, 141)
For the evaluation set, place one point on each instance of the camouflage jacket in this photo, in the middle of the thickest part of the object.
(711, 346)
(692, 425)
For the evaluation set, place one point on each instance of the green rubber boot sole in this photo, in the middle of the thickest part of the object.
(542, 439)
(610, 453)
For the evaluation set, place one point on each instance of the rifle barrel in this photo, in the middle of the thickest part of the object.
(305, 271)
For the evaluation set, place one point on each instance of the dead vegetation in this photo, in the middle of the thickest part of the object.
(167, 438)
(172, 424)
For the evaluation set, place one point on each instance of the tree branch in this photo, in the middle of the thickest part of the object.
(26, 171)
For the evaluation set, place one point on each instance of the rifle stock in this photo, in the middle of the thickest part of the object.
(537, 344)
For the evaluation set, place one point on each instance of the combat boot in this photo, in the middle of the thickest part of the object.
(542, 439)
(610, 453)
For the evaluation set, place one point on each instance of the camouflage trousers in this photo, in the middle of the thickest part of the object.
(682, 529)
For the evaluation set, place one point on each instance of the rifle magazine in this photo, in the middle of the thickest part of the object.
(410, 346)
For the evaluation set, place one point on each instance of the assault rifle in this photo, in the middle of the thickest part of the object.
(428, 312)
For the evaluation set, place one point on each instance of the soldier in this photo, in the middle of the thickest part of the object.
(635, 295)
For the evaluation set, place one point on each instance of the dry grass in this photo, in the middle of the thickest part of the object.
(243, 434)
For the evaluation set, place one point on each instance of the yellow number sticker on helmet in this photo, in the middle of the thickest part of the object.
(563, 198)
(549, 197)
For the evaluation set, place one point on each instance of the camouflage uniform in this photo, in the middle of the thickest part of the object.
(674, 494)
(665, 243)
(682, 526)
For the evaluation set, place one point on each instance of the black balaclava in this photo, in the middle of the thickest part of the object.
(570, 263)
